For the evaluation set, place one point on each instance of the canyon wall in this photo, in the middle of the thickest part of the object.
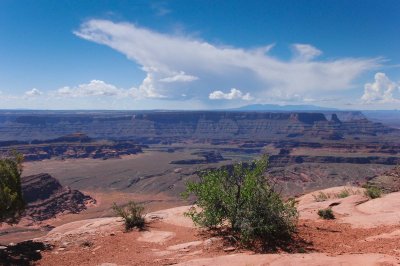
(148, 127)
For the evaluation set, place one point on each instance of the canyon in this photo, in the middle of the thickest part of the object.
(171, 126)
(112, 156)
(79, 163)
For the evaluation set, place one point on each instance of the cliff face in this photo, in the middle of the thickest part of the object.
(175, 126)
(45, 197)
(71, 146)
(282, 160)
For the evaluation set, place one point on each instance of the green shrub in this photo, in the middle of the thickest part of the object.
(132, 214)
(344, 193)
(373, 192)
(326, 214)
(321, 197)
(240, 199)
(11, 201)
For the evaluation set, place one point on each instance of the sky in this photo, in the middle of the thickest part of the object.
(208, 54)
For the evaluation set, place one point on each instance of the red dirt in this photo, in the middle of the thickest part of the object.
(124, 249)
(335, 238)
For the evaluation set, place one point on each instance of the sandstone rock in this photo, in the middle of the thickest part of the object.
(185, 246)
(209, 242)
(156, 236)
(45, 197)
(229, 249)
(174, 216)
(315, 259)
(81, 230)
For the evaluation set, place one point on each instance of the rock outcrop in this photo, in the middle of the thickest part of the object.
(46, 198)
(76, 145)
(208, 157)
(388, 181)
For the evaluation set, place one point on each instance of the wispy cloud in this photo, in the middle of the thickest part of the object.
(305, 52)
(160, 8)
(179, 77)
(168, 60)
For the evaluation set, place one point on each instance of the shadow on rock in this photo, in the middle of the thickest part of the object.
(23, 253)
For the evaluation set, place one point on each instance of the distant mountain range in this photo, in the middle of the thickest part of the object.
(276, 107)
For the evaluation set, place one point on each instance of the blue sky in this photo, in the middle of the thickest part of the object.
(199, 54)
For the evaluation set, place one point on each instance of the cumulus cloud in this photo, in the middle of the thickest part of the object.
(232, 95)
(147, 89)
(93, 88)
(33, 93)
(167, 58)
(382, 90)
(99, 88)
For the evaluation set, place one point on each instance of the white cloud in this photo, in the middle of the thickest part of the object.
(160, 8)
(33, 93)
(93, 88)
(179, 77)
(232, 95)
(381, 90)
(166, 58)
(100, 88)
(147, 89)
(305, 52)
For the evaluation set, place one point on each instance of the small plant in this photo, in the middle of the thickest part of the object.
(87, 244)
(373, 192)
(301, 250)
(132, 214)
(326, 214)
(344, 193)
(321, 197)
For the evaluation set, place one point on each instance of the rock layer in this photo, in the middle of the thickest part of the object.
(160, 126)
(46, 198)
(76, 145)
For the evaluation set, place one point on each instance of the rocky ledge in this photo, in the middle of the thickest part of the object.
(76, 145)
(388, 181)
(46, 198)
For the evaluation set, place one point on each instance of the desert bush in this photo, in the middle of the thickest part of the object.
(240, 199)
(344, 193)
(373, 192)
(11, 200)
(326, 214)
(321, 196)
(87, 244)
(132, 214)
